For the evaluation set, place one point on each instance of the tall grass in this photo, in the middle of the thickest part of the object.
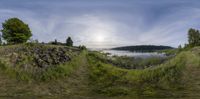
(51, 73)
(61, 71)
(110, 80)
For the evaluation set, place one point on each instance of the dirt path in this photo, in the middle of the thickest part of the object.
(75, 85)
(192, 79)
(78, 80)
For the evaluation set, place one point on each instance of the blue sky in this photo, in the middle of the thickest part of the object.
(107, 23)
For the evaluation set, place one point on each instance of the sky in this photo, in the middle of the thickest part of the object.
(106, 23)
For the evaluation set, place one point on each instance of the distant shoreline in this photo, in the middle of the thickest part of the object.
(143, 48)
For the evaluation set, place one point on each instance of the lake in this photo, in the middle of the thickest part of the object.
(134, 54)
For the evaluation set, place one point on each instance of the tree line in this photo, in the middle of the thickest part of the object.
(15, 31)
(143, 48)
(193, 38)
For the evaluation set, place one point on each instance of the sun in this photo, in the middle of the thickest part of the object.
(99, 38)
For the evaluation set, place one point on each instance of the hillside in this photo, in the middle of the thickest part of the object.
(35, 59)
(177, 77)
(50, 71)
(143, 48)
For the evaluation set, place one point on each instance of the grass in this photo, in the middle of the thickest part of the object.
(86, 76)
(169, 52)
(65, 80)
(51, 73)
(161, 80)
(60, 71)
(17, 81)
(16, 62)
(130, 62)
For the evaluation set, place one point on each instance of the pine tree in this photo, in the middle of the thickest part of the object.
(69, 41)
(55, 42)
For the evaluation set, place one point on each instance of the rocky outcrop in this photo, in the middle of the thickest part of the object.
(50, 57)
(41, 56)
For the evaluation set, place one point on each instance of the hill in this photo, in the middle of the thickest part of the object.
(49, 71)
(143, 48)
(34, 60)
(178, 77)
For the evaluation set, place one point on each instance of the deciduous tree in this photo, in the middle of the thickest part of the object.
(15, 31)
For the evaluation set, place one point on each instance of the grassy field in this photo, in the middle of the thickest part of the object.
(171, 79)
(87, 77)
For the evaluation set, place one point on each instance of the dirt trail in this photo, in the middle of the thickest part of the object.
(75, 85)
(78, 80)
(192, 79)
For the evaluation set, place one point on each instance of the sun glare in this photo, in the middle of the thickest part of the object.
(99, 38)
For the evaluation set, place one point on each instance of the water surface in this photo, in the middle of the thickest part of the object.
(134, 54)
